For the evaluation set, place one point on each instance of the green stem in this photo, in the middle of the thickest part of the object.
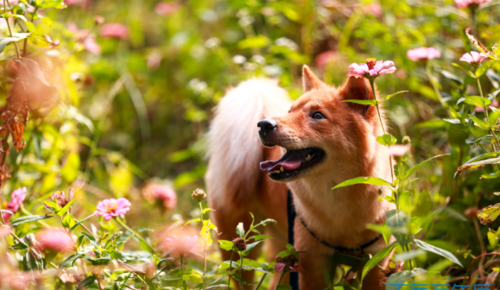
(372, 84)
(182, 261)
(487, 116)
(204, 247)
(260, 282)
(279, 282)
(241, 270)
(137, 235)
(407, 248)
(230, 268)
(433, 83)
(8, 26)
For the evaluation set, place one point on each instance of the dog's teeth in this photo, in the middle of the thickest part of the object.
(282, 169)
(308, 157)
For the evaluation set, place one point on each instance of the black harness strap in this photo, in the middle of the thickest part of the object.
(294, 276)
(291, 213)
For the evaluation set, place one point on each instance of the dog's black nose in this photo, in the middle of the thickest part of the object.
(266, 126)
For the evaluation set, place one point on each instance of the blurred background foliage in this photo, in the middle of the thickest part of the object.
(136, 109)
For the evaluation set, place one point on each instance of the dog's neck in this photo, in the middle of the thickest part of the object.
(340, 216)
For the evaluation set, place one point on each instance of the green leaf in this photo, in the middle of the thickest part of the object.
(28, 219)
(205, 210)
(416, 167)
(477, 101)
(250, 247)
(386, 140)
(402, 277)
(66, 207)
(484, 67)
(464, 69)
(226, 245)
(489, 214)
(396, 93)
(19, 246)
(15, 37)
(70, 260)
(260, 237)
(86, 282)
(377, 258)
(430, 248)
(452, 77)
(365, 180)
(240, 230)
(478, 44)
(478, 164)
(494, 116)
(363, 102)
(284, 287)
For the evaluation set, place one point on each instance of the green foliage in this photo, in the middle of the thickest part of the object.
(110, 115)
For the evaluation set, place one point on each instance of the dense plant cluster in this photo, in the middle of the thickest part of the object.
(104, 111)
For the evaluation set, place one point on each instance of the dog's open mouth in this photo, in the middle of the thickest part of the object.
(292, 163)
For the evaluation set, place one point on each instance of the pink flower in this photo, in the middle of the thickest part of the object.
(79, 33)
(109, 208)
(166, 8)
(115, 30)
(466, 3)
(371, 69)
(56, 240)
(324, 58)
(17, 199)
(4, 231)
(473, 57)
(398, 150)
(81, 3)
(154, 59)
(279, 267)
(60, 198)
(374, 9)
(180, 246)
(163, 193)
(423, 53)
(91, 45)
(481, 109)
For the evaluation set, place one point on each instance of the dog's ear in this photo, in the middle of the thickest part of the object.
(310, 81)
(357, 89)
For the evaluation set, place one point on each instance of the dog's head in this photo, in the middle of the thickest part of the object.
(321, 132)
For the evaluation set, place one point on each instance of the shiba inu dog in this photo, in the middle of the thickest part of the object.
(308, 146)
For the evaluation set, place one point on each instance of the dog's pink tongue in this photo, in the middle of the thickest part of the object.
(267, 166)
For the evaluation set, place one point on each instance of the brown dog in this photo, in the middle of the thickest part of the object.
(321, 142)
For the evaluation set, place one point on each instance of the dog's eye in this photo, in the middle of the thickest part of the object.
(317, 115)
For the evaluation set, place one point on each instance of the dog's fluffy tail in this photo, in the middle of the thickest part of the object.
(234, 147)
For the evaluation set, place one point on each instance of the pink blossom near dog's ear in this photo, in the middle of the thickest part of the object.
(180, 246)
(17, 198)
(166, 8)
(374, 9)
(423, 53)
(4, 231)
(473, 57)
(114, 30)
(110, 208)
(466, 3)
(398, 150)
(55, 240)
(371, 68)
(163, 193)
(481, 109)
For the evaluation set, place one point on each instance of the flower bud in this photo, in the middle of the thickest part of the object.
(240, 244)
(471, 212)
(98, 19)
(406, 140)
(199, 195)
